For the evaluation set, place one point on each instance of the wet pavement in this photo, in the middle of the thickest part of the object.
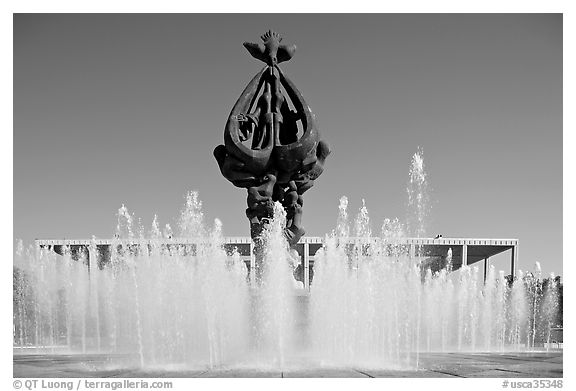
(506, 365)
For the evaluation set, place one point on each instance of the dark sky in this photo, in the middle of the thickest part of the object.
(113, 109)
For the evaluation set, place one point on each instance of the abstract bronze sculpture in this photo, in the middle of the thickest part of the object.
(271, 142)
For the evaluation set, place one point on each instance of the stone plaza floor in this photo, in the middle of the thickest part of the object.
(488, 365)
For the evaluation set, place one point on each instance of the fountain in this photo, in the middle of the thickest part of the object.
(153, 304)
(370, 306)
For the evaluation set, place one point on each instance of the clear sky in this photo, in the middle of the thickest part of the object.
(113, 109)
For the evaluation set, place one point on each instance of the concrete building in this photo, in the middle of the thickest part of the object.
(431, 251)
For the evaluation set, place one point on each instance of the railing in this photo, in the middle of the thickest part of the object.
(303, 240)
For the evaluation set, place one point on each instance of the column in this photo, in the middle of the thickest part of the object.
(306, 265)
(412, 251)
(91, 256)
(464, 255)
(486, 267)
(252, 265)
(513, 260)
